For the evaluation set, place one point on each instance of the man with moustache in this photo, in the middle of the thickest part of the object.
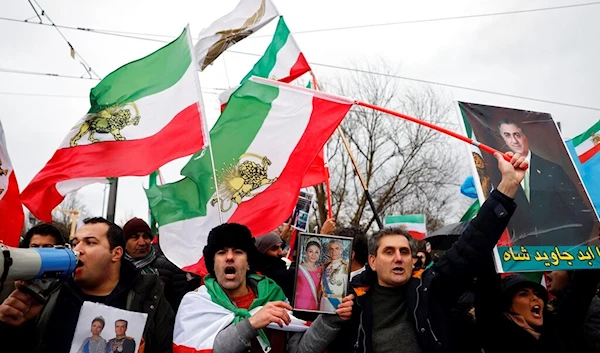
(140, 252)
(237, 311)
(396, 312)
(101, 276)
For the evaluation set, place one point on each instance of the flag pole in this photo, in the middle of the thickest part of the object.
(205, 130)
(112, 199)
(481, 146)
(355, 165)
(327, 184)
(151, 183)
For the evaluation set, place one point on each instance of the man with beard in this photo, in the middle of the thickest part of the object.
(270, 262)
(140, 252)
(102, 277)
(121, 343)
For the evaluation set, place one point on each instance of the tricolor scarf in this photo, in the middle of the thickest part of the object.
(205, 312)
(143, 264)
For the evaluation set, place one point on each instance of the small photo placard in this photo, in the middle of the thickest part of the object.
(323, 272)
(102, 329)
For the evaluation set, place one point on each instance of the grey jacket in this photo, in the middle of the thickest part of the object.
(237, 337)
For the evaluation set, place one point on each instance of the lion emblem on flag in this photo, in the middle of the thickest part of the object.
(239, 180)
(108, 121)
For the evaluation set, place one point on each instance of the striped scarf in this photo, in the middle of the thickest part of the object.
(143, 264)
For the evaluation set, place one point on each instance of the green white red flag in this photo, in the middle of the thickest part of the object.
(262, 144)
(282, 61)
(142, 115)
(11, 210)
(414, 224)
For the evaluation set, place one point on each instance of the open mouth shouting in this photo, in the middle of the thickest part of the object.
(398, 270)
(79, 266)
(536, 312)
(230, 272)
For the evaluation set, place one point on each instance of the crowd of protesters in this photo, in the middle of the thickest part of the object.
(399, 300)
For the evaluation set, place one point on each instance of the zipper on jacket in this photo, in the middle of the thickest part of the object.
(431, 330)
(417, 305)
(415, 313)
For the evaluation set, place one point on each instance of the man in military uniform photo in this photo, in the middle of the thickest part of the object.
(121, 343)
(335, 278)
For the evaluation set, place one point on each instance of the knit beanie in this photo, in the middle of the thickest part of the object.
(267, 241)
(134, 226)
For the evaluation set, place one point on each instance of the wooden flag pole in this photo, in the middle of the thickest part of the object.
(356, 170)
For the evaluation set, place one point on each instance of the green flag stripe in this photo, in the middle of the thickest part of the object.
(267, 62)
(147, 76)
(410, 218)
(231, 136)
(471, 212)
(586, 135)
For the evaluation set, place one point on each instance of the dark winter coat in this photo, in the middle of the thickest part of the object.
(431, 298)
(562, 328)
(54, 327)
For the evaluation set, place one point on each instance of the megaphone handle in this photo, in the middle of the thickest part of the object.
(8, 261)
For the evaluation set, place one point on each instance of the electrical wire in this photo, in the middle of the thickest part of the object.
(74, 52)
(136, 35)
(25, 72)
(438, 83)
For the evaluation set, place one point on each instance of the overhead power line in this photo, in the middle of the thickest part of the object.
(41, 95)
(138, 35)
(438, 19)
(312, 63)
(25, 72)
(74, 52)
(135, 35)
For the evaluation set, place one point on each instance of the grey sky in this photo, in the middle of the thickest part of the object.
(551, 55)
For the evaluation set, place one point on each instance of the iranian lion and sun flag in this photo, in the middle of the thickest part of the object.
(268, 139)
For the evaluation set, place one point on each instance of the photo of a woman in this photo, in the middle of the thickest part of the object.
(309, 277)
(95, 343)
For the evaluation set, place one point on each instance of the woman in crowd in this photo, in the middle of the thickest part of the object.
(309, 277)
(94, 344)
(517, 309)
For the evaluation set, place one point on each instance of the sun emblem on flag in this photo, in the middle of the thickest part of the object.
(239, 180)
(231, 36)
(108, 121)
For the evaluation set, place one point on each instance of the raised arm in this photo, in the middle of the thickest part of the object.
(459, 265)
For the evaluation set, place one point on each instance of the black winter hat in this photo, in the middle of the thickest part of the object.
(229, 235)
(512, 283)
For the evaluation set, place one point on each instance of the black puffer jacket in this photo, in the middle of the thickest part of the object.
(431, 297)
(177, 282)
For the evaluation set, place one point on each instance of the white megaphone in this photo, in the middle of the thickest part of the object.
(43, 268)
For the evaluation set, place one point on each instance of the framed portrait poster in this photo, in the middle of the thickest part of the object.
(322, 273)
(302, 211)
(554, 226)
